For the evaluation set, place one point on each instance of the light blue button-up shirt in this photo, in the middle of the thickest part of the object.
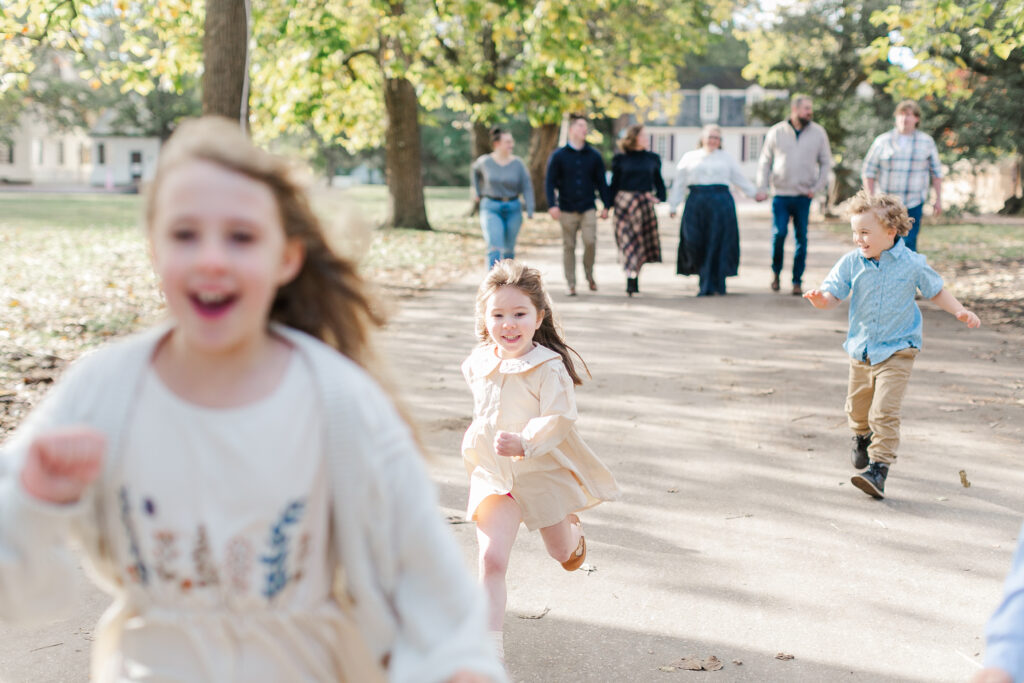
(1004, 648)
(883, 315)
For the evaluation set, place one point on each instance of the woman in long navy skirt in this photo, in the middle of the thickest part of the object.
(709, 236)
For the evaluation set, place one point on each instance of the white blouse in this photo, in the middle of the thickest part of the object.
(699, 167)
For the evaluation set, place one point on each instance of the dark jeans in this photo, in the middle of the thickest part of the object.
(783, 208)
(915, 216)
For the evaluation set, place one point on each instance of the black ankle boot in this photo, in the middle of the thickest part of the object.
(859, 452)
(632, 286)
(872, 480)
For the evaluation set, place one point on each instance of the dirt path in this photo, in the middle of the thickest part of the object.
(739, 535)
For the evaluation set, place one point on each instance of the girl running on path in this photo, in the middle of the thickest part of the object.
(526, 461)
(223, 471)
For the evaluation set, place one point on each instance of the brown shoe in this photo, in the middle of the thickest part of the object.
(797, 291)
(592, 285)
(775, 283)
(580, 554)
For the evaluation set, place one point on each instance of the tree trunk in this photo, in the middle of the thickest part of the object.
(226, 60)
(480, 139)
(403, 165)
(543, 140)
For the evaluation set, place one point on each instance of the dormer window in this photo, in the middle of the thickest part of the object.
(709, 96)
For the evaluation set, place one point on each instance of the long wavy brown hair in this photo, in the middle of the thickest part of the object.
(628, 141)
(511, 273)
(327, 299)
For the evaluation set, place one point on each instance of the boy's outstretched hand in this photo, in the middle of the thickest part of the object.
(969, 317)
(60, 464)
(820, 299)
(992, 675)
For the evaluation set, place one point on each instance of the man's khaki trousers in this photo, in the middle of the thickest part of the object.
(874, 399)
(586, 224)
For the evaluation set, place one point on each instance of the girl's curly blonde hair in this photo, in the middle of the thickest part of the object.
(887, 208)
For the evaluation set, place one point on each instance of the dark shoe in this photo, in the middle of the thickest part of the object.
(797, 290)
(859, 452)
(872, 480)
(632, 286)
(775, 283)
(592, 285)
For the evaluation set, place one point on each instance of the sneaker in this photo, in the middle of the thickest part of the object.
(775, 283)
(859, 452)
(872, 480)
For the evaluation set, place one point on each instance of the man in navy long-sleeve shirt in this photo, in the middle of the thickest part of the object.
(575, 172)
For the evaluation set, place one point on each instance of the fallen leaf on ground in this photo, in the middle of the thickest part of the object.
(673, 490)
(963, 479)
(737, 662)
(950, 409)
(691, 663)
(588, 568)
(457, 519)
(784, 657)
(713, 663)
(666, 668)
(535, 616)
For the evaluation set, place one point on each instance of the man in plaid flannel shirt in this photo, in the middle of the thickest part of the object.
(902, 162)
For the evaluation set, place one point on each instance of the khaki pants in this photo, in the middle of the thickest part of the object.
(874, 398)
(585, 223)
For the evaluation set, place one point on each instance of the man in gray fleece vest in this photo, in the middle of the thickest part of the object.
(795, 162)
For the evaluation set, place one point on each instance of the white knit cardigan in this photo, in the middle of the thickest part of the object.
(414, 599)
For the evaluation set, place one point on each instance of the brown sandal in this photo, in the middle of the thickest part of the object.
(580, 554)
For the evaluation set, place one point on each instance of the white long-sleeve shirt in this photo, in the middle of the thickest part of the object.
(700, 167)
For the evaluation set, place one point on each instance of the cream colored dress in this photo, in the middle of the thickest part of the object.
(533, 396)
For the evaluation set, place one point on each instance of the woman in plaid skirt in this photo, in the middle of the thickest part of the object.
(637, 186)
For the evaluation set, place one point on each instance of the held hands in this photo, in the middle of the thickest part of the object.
(760, 196)
(604, 214)
(968, 317)
(509, 445)
(60, 464)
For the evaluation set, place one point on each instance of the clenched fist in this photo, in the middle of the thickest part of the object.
(60, 464)
(508, 445)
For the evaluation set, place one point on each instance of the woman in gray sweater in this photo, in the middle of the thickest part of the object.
(499, 178)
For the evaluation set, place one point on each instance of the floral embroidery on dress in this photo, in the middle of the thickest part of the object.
(238, 562)
(277, 560)
(206, 569)
(137, 570)
(165, 553)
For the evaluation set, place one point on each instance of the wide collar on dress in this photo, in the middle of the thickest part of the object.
(484, 360)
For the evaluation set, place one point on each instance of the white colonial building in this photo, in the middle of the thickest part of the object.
(717, 95)
(35, 153)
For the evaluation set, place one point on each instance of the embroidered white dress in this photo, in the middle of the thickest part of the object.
(224, 554)
(533, 396)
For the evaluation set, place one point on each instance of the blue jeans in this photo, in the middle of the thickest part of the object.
(500, 222)
(799, 208)
(910, 240)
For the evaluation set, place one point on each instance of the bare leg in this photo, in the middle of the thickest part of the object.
(497, 523)
(562, 539)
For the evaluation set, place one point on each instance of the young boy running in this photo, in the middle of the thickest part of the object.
(881, 276)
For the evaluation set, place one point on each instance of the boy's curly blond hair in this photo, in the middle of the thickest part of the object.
(887, 208)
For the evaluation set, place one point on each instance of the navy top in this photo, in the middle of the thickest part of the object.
(637, 171)
(576, 174)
